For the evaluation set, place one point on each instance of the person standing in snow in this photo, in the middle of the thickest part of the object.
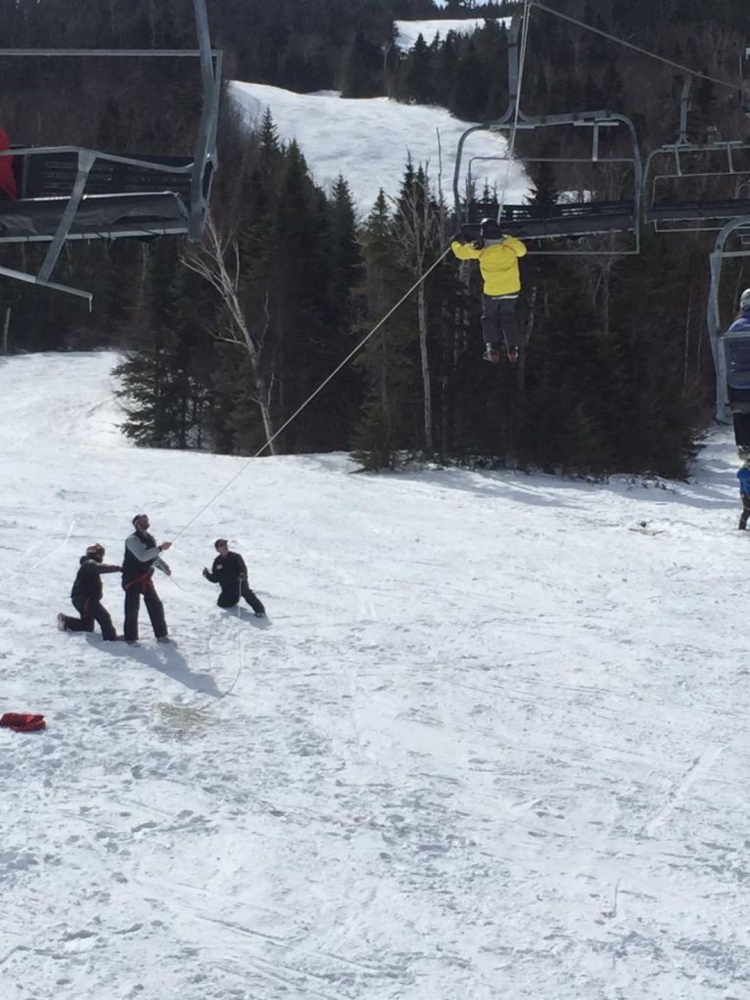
(737, 366)
(8, 190)
(743, 474)
(230, 572)
(86, 596)
(142, 556)
(498, 264)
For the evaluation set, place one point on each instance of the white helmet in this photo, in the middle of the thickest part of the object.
(745, 301)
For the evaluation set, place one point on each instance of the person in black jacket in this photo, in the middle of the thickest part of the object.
(142, 556)
(230, 572)
(86, 596)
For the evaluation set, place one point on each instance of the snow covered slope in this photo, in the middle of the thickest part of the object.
(368, 141)
(409, 31)
(491, 743)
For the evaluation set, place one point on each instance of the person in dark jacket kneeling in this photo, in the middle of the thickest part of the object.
(230, 572)
(86, 596)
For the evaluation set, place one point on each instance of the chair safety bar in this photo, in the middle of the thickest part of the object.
(62, 193)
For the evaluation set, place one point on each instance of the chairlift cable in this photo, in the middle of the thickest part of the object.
(311, 397)
(517, 109)
(636, 48)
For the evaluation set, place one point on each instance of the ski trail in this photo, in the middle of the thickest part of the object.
(680, 789)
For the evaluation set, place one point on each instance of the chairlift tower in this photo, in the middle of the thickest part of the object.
(72, 193)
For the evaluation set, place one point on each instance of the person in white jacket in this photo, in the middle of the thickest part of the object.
(142, 557)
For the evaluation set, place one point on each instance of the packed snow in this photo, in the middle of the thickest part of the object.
(409, 31)
(491, 742)
(368, 142)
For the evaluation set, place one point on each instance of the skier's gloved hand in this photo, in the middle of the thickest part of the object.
(478, 244)
(206, 573)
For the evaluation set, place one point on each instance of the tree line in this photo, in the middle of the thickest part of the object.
(224, 342)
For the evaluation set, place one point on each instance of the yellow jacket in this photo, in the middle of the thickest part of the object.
(498, 263)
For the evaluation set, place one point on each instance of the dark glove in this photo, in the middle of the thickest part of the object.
(478, 244)
(206, 573)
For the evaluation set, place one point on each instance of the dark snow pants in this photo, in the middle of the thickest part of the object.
(230, 598)
(153, 605)
(745, 511)
(499, 317)
(90, 612)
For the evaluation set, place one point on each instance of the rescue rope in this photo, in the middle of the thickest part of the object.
(57, 548)
(635, 48)
(240, 637)
(316, 392)
(517, 109)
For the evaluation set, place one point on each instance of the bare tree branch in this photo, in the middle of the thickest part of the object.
(218, 260)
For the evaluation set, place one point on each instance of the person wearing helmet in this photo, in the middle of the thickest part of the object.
(142, 557)
(86, 596)
(743, 320)
(498, 257)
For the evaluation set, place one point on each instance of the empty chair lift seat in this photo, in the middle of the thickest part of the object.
(697, 211)
(120, 199)
(561, 220)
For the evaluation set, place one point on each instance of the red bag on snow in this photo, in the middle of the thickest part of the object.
(22, 723)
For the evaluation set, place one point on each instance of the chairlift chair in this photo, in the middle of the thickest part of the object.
(73, 193)
(696, 186)
(564, 219)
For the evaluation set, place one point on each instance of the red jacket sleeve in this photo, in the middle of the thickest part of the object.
(7, 179)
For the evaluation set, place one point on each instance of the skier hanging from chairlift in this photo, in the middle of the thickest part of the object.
(498, 264)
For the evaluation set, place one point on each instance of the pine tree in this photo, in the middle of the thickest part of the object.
(382, 432)
(419, 73)
(469, 99)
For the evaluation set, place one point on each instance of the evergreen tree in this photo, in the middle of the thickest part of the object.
(419, 73)
(382, 432)
(470, 97)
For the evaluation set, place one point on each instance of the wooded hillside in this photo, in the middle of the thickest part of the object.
(617, 374)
